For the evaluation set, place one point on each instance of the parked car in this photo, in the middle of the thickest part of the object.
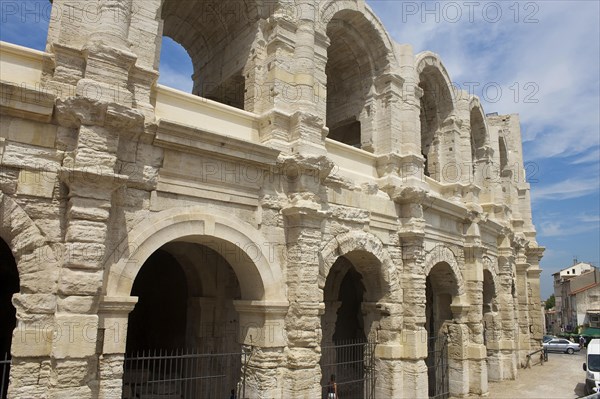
(549, 337)
(561, 345)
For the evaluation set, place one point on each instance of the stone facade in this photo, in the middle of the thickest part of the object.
(416, 195)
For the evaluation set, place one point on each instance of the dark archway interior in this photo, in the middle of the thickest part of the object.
(342, 346)
(350, 324)
(478, 139)
(440, 287)
(503, 156)
(436, 106)
(182, 334)
(489, 308)
(354, 58)
(9, 285)
(158, 321)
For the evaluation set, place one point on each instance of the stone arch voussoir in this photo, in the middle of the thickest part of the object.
(187, 222)
(359, 241)
(427, 59)
(37, 262)
(443, 254)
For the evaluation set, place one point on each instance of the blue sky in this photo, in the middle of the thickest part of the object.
(543, 55)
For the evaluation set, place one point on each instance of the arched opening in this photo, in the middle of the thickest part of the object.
(503, 157)
(349, 325)
(355, 57)
(441, 287)
(9, 285)
(436, 107)
(218, 36)
(182, 334)
(478, 140)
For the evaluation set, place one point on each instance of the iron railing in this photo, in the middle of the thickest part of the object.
(352, 362)
(437, 367)
(4, 374)
(184, 374)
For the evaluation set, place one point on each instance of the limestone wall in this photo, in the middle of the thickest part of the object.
(100, 168)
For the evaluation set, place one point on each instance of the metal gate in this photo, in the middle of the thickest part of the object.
(4, 374)
(352, 362)
(437, 367)
(185, 374)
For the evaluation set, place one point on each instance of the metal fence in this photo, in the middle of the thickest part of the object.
(352, 362)
(437, 367)
(4, 374)
(184, 374)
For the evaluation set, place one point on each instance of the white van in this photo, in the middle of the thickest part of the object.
(592, 367)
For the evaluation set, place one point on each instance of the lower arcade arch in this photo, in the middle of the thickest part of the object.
(9, 285)
(350, 325)
(441, 290)
(182, 337)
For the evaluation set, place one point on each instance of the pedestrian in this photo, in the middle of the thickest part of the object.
(332, 388)
(581, 342)
(233, 395)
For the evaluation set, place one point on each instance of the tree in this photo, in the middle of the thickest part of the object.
(550, 302)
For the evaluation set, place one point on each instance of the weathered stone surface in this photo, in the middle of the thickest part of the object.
(331, 207)
(79, 282)
(35, 303)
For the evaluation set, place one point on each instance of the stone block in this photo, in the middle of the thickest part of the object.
(79, 282)
(414, 344)
(30, 132)
(86, 231)
(35, 303)
(75, 336)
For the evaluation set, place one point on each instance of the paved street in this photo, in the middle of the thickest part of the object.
(561, 377)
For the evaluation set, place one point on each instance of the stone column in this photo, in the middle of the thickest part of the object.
(304, 318)
(523, 307)
(504, 367)
(534, 255)
(473, 273)
(89, 174)
(413, 337)
(262, 331)
(113, 316)
(459, 349)
(388, 135)
(303, 218)
(389, 362)
(292, 96)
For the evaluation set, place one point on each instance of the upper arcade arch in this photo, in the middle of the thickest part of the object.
(480, 139)
(359, 53)
(437, 106)
(253, 262)
(219, 37)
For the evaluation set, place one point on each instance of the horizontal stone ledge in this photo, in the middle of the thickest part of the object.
(26, 102)
(180, 137)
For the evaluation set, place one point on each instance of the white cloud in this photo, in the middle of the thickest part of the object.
(591, 157)
(566, 189)
(561, 229)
